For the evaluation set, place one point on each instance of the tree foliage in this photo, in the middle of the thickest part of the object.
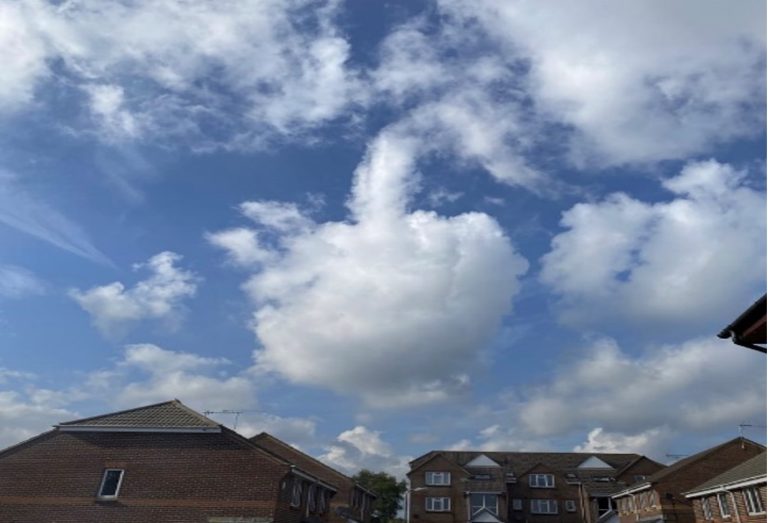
(387, 488)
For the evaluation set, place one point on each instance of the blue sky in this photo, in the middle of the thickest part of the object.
(383, 228)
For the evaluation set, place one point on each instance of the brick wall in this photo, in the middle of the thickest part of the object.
(736, 496)
(459, 478)
(671, 503)
(561, 492)
(168, 478)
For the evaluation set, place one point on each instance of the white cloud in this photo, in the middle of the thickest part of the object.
(17, 282)
(113, 307)
(651, 442)
(361, 447)
(186, 70)
(640, 82)
(165, 375)
(416, 295)
(107, 105)
(686, 264)
(299, 432)
(698, 386)
(29, 214)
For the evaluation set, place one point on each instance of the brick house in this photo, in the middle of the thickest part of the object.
(546, 487)
(735, 495)
(352, 502)
(159, 463)
(660, 497)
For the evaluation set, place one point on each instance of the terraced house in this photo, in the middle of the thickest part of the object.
(661, 497)
(737, 495)
(547, 487)
(351, 504)
(159, 463)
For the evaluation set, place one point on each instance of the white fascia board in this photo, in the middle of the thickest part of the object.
(170, 430)
(640, 488)
(728, 486)
(313, 479)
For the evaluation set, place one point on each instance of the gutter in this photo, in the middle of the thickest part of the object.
(631, 491)
(727, 486)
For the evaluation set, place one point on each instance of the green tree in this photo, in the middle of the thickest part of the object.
(387, 488)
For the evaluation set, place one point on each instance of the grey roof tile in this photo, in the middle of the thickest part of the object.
(167, 415)
(751, 468)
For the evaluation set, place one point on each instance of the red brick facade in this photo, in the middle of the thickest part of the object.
(662, 495)
(526, 487)
(737, 505)
(215, 477)
(351, 499)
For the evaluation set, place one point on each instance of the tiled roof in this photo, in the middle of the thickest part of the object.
(168, 415)
(520, 462)
(517, 464)
(683, 463)
(752, 468)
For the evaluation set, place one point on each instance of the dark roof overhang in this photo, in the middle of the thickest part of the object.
(749, 329)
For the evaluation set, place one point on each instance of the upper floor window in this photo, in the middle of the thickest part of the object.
(541, 480)
(312, 498)
(296, 494)
(442, 504)
(110, 483)
(725, 508)
(481, 501)
(517, 504)
(753, 501)
(570, 505)
(706, 509)
(438, 478)
(543, 506)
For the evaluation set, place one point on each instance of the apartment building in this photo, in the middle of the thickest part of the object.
(159, 463)
(737, 495)
(351, 504)
(660, 497)
(492, 487)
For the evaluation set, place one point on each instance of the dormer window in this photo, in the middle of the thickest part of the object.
(110, 483)
(541, 480)
(438, 479)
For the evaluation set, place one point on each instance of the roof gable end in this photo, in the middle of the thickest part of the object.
(482, 461)
(593, 462)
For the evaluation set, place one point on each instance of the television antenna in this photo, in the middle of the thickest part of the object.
(226, 411)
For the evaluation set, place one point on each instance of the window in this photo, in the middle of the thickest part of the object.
(639, 477)
(725, 508)
(110, 483)
(482, 476)
(517, 504)
(296, 494)
(311, 498)
(541, 480)
(753, 501)
(438, 478)
(322, 502)
(544, 506)
(570, 505)
(706, 508)
(438, 504)
(478, 502)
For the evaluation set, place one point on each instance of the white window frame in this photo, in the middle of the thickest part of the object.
(296, 493)
(104, 480)
(570, 505)
(437, 479)
(753, 501)
(724, 505)
(706, 509)
(537, 503)
(437, 504)
(535, 480)
(494, 494)
(517, 504)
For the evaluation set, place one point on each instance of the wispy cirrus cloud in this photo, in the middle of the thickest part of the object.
(22, 211)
